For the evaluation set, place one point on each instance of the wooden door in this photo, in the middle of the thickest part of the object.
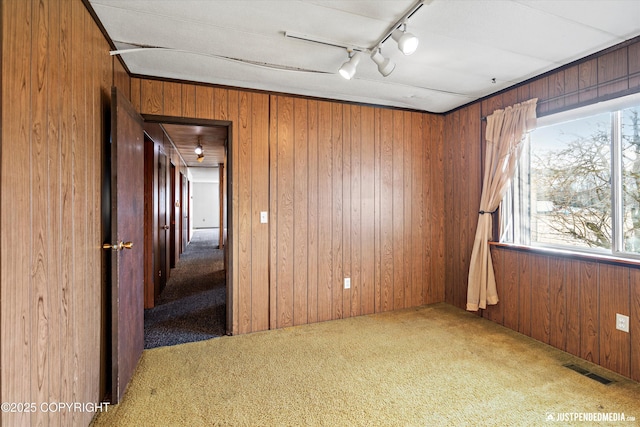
(162, 252)
(127, 237)
(173, 227)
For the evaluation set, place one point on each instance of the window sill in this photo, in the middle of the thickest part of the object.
(581, 256)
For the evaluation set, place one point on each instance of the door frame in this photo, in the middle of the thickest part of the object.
(228, 249)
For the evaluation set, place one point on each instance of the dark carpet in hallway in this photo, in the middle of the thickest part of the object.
(192, 305)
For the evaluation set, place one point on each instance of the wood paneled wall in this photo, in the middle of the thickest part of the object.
(56, 81)
(351, 191)
(356, 192)
(530, 307)
(248, 112)
(571, 304)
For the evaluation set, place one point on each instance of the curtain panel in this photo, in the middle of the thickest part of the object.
(506, 129)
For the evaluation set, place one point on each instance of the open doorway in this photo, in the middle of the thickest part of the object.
(188, 301)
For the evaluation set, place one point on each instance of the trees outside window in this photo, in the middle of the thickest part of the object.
(578, 186)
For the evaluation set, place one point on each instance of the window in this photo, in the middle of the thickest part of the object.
(577, 185)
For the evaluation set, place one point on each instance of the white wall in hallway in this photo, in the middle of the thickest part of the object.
(205, 204)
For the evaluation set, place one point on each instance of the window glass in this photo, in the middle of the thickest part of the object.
(630, 139)
(570, 194)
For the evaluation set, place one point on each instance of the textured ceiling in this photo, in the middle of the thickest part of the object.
(468, 48)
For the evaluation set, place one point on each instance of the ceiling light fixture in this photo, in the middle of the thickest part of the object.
(407, 42)
(199, 149)
(385, 65)
(348, 69)
(200, 157)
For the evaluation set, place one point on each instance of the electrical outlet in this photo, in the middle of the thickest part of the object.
(263, 217)
(622, 322)
(347, 283)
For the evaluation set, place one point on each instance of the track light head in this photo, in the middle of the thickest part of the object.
(407, 42)
(385, 65)
(200, 157)
(198, 149)
(348, 69)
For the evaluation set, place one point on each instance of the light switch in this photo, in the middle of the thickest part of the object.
(263, 217)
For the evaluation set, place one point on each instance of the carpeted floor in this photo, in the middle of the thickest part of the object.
(192, 307)
(435, 365)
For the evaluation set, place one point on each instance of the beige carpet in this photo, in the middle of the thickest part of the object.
(435, 365)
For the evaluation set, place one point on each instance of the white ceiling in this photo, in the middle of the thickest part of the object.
(464, 44)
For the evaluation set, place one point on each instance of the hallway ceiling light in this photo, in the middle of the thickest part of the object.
(407, 42)
(199, 150)
(348, 69)
(385, 65)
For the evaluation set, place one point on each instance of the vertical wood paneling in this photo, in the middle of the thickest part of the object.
(152, 97)
(300, 211)
(55, 75)
(66, 228)
(588, 80)
(15, 311)
(335, 280)
(634, 323)
(571, 85)
(243, 238)
(40, 233)
(397, 229)
(259, 202)
(612, 72)
(634, 65)
(417, 239)
(377, 211)
(386, 210)
(233, 174)
(407, 256)
(355, 215)
(438, 236)
(172, 99)
(204, 103)
(524, 278)
(557, 303)
(589, 339)
(346, 209)
(220, 104)
(573, 310)
(314, 212)
(540, 298)
(614, 298)
(325, 204)
(510, 291)
(284, 227)
(135, 93)
(189, 101)
(368, 212)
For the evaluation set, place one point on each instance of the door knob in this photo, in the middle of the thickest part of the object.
(165, 227)
(118, 246)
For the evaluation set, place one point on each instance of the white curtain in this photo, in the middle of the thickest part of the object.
(506, 130)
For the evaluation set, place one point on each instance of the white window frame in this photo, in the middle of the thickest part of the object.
(515, 215)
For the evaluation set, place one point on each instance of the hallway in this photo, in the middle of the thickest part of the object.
(192, 307)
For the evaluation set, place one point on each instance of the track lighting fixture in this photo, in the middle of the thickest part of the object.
(407, 42)
(200, 157)
(348, 69)
(385, 65)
